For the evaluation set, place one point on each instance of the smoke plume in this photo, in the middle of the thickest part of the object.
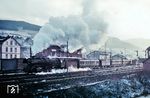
(86, 30)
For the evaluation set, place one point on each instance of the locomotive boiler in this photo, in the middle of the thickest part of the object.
(41, 64)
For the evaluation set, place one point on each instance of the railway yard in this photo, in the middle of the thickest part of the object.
(34, 84)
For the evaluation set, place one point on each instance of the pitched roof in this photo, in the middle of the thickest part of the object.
(119, 55)
(3, 39)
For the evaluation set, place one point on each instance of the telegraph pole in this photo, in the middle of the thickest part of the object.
(137, 54)
(122, 57)
(110, 57)
(67, 47)
(105, 52)
(30, 52)
(67, 53)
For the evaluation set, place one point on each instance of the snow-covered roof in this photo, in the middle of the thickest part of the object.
(3, 39)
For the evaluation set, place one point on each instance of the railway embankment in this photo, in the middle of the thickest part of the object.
(128, 86)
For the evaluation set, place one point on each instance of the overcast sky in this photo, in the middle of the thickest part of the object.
(126, 19)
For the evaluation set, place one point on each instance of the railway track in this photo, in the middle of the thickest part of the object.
(31, 78)
(66, 74)
(25, 78)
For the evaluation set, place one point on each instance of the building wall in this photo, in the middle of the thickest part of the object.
(25, 52)
(146, 65)
(10, 49)
(57, 52)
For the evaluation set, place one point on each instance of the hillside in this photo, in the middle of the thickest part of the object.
(15, 25)
(116, 43)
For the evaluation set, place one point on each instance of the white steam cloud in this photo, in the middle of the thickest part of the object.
(86, 30)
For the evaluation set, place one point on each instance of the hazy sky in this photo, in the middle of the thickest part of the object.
(125, 18)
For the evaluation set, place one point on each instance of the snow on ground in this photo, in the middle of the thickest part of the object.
(144, 96)
(53, 71)
(73, 69)
(70, 69)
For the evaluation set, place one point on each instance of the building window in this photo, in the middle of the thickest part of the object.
(11, 49)
(15, 43)
(7, 43)
(53, 53)
(6, 56)
(11, 42)
(15, 56)
(11, 56)
(6, 49)
(15, 49)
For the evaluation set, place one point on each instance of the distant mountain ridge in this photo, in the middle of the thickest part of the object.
(15, 25)
(142, 43)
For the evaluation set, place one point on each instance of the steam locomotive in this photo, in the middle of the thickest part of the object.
(41, 64)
